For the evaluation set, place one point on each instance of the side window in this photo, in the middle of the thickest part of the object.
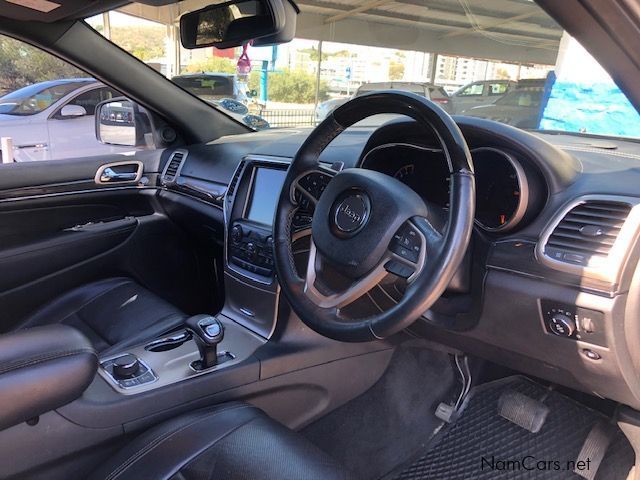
(57, 103)
(498, 88)
(89, 100)
(473, 90)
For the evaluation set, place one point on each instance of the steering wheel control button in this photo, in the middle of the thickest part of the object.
(406, 243)
(399, 269)
(126, 366)
(314, 183)
(351, 214)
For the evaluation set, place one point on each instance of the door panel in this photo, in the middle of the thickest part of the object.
(61, 234)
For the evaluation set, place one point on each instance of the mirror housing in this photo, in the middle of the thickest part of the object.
(119, 121)
(72, 111)
(233, 23)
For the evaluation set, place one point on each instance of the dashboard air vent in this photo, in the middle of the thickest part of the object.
(589, 230)
(234, 180)
(175, 162)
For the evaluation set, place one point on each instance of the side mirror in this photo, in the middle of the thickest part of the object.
(71, 111)
(232, 23)
(121, 122)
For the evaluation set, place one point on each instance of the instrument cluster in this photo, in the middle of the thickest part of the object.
(502, 189)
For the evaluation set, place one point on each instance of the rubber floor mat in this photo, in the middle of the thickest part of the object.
(483, 445)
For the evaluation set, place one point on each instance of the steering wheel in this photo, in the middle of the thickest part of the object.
(367, 225)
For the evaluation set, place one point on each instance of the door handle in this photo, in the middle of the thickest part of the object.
(110, 175)
(119, 172)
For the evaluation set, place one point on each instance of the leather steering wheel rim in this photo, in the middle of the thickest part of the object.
(445, 249)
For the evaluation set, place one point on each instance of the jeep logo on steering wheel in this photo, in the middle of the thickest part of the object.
(352, 214)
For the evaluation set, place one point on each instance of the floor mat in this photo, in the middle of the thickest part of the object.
(483, 445)
(391, 422)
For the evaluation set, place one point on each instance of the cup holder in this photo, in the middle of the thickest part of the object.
(168, 343)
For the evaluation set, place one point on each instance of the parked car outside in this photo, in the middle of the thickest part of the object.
(428, 90)
(211, 86)
(484, 92)
(520, 108)
(55, 119)
(222, 90)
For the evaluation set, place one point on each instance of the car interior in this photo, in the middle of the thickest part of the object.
(432, 297)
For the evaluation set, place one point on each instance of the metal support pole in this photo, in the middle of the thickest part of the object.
(318, 67)
(106, 24)
(6, 145)
(264, 81)
(433, 65)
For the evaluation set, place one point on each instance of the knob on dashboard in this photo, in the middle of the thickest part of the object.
(125, 366)
(252, 251)
(236, 234)
(562, 325)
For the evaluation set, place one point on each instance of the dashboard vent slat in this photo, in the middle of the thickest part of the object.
(234, 180)
(175, 162)
(589, 229)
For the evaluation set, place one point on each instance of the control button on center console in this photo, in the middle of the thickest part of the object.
(252, 251)
(236, 234)
(126, 366)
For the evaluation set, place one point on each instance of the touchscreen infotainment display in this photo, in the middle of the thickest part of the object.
(265, 190)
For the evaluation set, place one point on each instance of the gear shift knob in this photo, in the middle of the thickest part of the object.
(208, 332)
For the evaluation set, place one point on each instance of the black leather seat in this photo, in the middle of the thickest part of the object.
(233, 441)
(113, 312)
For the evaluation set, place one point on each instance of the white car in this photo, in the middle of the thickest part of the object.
(55, 119)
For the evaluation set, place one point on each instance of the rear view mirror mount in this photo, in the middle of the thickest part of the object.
(236, 22)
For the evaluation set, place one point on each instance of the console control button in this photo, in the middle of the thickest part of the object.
(125, 366)
(236, 234)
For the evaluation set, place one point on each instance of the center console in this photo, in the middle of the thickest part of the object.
(249, 315)
(251, 290)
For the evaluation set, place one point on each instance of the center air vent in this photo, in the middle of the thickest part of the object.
(234, 180)
(587, 231)
(174, 166)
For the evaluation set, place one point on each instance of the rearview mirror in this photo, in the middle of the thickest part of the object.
(232, 23)
(119, 121)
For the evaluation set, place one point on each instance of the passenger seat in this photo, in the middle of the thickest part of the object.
(114, 314)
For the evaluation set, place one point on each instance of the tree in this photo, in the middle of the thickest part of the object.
(502, 73)
(396, 70)
(22, 65)
(313, 53)
(213, 64)
(290, 86)
(143, 42)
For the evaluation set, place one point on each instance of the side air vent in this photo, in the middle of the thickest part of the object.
(234, 180)
(587, 231)
(173, 167)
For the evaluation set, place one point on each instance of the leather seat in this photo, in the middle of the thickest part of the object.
(113, 312)
(233, 441)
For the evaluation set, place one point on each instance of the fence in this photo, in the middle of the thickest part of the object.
(289, 118)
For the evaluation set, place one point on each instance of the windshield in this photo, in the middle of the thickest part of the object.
(36, 98)
(504, 60)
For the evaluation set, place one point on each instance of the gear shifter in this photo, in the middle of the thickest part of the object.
(208, 332)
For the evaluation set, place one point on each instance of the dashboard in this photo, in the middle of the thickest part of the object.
(550, 281)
